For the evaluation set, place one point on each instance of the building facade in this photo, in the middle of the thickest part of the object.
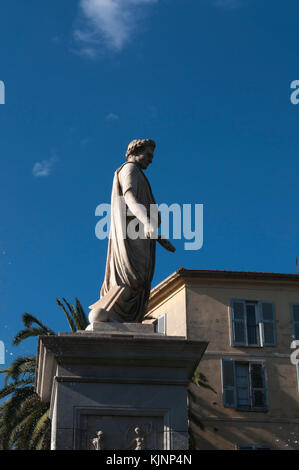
(250, 320)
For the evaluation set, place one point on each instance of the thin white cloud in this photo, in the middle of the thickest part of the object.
(112, 117)
(43, 168)
(88, 52)
(109, 23)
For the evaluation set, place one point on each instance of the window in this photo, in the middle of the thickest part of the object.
(295, 320)
(252, 447)
(295, 323)
(244, 385)
(160, 325)
(253, 323)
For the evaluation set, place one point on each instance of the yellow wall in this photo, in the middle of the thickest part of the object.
(208, 314)
(201, 311)
(175, 309)
(225, 435)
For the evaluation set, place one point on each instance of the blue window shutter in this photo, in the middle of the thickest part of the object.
(258, 386)
(252, 447)
(238, 321)
(245, 447)
(161, 325)
(267, 313)
(242, 385)
(228, 384)
(295, 320)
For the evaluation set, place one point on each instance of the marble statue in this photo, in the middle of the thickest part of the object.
(139, 440)
(130, 259)
(97, 442)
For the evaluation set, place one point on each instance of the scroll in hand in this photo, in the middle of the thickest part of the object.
(166, 244)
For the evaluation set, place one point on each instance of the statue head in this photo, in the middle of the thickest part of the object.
(141, 151)
(138, 431)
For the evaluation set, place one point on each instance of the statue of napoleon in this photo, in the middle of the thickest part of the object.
(132, 242)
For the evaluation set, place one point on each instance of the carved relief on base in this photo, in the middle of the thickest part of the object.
(121, 432)
(141, 437)
(98, 442)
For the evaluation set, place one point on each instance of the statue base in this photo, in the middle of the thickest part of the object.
(116, 328)
(117, 387)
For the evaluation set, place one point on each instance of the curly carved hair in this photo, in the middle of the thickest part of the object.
(139, 144)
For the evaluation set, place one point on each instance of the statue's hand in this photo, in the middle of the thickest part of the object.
(151, 231)
(166, 244)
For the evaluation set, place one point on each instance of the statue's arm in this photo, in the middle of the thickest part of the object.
(150, 228)
(129, 179)
(139, 211)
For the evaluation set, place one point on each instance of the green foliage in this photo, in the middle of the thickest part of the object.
(75, 315)
(30, 331)
(24, 419)
(200, 380)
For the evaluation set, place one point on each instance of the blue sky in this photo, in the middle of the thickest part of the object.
(209, 80)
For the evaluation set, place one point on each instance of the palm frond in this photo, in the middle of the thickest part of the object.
(68, 316)
(44, 441)
(21, 367)
(10, 412)
(29, 333)
(83, 317)
(18, 425)
(24, 419)
(40, 427)
(29, 319)
(28, 429)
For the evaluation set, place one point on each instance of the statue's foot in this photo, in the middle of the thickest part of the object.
(98, 315)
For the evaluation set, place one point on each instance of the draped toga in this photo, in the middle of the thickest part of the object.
(130, 262)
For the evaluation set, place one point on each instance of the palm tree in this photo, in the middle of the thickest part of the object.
(24, 419)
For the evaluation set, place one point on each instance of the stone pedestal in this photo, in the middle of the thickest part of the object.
(116, 387)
